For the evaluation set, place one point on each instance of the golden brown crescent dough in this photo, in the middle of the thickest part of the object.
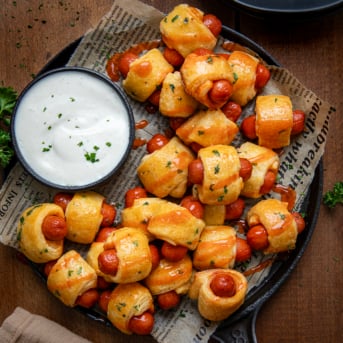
(145, 74)
(216, 249)
(199, 72)
(70, 277)
(214, 214)
(170, 276)
(165, 171)
(139, 214)
(133, 252)
(183, 30)
(127, 301)
(95, 249)
(211, 306)
(32, 242)
(83, 216)
(174, 101)
(274, 120)
(262, 160)
(222, 183)
(208, 127)
(243, 67)
(278, 221)
(176, 225)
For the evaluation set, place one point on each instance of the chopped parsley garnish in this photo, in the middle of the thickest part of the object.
(47, 149)
(235, 78)
(91, 157)
(216, 152)
(175, 18)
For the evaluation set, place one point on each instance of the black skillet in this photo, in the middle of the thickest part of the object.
(240, 327)
(285, 10)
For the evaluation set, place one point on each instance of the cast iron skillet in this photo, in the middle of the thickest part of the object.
(286, 10)
(240, 327)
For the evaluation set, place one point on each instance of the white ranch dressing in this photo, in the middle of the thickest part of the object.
(72, 128)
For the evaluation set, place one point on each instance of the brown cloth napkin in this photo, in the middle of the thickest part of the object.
(23, 327)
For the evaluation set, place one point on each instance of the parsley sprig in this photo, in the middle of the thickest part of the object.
(8, 99)
(335, 196)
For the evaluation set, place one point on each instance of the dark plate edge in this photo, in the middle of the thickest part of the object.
(275, 15)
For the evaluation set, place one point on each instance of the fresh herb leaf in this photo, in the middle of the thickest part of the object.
(8, 99)
(335, 196)
(6, 151)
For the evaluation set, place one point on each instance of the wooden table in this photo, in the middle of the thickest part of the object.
(308, 306)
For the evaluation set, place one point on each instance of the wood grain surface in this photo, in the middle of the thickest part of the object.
(309, 305)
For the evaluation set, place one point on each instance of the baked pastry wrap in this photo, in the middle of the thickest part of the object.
(133, 252)
(279, 223)
(127, 301)
(199, 72)
(262, 160)
(211, 306)
(176, 225)
(83, 216)
(139, 214)
(145, 74)
(165, 171)
(216, 249)
(32, 242)
(208, 127)
(274, 120)
(70, 277)
(183, 30)
(243, 67)
(214, 214)
(170, 276)
(222, 184)
(95, 249)
(174, 101)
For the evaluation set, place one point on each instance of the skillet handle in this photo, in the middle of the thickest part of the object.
(241, 331)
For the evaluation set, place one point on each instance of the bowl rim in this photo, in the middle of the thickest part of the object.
(129, 112)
